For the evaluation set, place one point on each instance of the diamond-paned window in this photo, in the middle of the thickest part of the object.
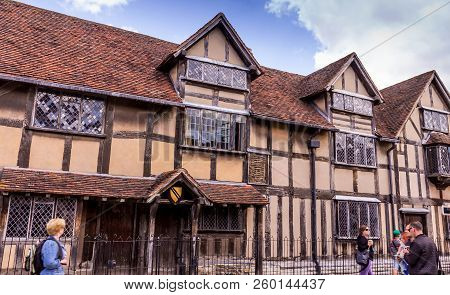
(353, 214)
(435, 121)
(72, 113)
(210, 129)
(352, 104)
(28, 216)
(216, 74)
(220, 218)
(439, 160)
(354, 149)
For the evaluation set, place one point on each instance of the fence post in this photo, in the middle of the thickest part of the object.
(259, 241)
(151, 234)
(195, 211)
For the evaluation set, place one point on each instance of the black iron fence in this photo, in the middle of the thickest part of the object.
(211, 255)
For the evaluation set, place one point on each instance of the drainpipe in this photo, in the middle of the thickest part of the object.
(391, 193)
(312, 146)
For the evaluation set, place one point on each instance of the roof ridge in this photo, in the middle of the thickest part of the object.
(409, 79)
(87, 21)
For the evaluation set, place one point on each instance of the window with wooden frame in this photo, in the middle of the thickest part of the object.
(258, 168)
(216, 74)
(354, 149)
(435, 121)
(28, 216)
(438, 158)
(352, 104)
(214, 130)
(80, 114)
(353, 214)
(217, 218)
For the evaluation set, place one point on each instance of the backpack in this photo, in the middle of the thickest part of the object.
(35, 256)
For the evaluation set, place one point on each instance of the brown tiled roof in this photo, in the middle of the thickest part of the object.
(107, 186)
(399, 101)
(275, 94)
(233, 194)
(56, 48)
(319, 80)
(75, 184)
(438, 138)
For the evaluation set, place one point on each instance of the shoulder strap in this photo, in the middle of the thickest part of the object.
(60, 251)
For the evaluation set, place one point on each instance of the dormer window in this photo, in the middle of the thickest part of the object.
(353, 104)
(216, 74)
(435, 121)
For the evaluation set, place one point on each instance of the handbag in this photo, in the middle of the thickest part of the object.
(362, 257)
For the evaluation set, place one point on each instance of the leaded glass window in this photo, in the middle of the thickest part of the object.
(72, 113)
(216, 74)
(220, 218)
(355, 149)
(352, 104)
(353, 214)
(439, 160)
(28, 216)
(210, 129)
(436, 121)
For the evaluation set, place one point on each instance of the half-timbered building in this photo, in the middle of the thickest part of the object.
(127, 136)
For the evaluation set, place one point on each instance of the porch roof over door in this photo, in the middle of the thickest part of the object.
(123, 187)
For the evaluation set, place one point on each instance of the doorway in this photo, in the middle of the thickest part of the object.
(410, 217)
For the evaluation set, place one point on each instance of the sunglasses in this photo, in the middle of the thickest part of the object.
(409, 229)
(366, 229)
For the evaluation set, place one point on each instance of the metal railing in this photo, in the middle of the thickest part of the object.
(211, 255)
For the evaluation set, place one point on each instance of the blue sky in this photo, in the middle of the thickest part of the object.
(299, 36)
(276, 41)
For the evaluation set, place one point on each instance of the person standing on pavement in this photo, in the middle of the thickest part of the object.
(364, 244)
(422, 255)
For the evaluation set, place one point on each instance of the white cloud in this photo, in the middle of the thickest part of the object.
(95, 6)
(352, 25)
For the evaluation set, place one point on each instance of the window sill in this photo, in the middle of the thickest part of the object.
(64, 132)
(188, 147)
(354, 165)
(341, 239)
(214, 85)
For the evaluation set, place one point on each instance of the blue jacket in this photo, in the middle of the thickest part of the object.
(50, 259)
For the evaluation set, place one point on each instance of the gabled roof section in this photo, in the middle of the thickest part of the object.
(400, 100)
(275, 96)
(166, 180)
(63, 183)
(324, 78)
(222, 22)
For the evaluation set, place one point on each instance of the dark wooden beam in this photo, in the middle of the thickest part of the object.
(67, 152)
(23, 160)
(195, 213)
(151, 234)
(179, 136)
(259, 241)
(104, 155)
(148, 144)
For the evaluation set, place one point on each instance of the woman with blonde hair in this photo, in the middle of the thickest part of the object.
(53, 253)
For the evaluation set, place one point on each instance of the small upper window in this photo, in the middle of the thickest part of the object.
(352, 104)
(436, 121)
(71, 113)
(216, 74)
